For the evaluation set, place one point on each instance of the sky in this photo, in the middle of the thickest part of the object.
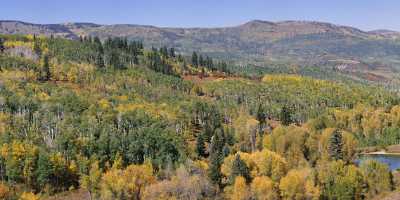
(363, 14)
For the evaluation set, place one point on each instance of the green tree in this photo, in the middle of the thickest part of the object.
(239, 168)
(285, 116)
(46, 74)
(2, 45)
(200, 146)
(99, 62)
(172, 52)
(44, 170)
(262, 118)
(336, 145)
(201, 61)
(36, 46)
(195, 59)
(216, 156)
(91, 182)
(214, 171)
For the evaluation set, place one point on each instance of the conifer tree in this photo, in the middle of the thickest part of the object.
(172, 52)
(99, 62)
(336, 145)
(201, 60)
(285, 116)
(261, 117)
(44, 170)
(98, 45)
(214, 171)
(195, 59)
(1, 45)
(164, 51)
(209, 63)
(200, 146)
(45, 74)
(216, 156)
(239, 168)
(36, 46)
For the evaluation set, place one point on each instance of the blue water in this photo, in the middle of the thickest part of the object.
(393, 161)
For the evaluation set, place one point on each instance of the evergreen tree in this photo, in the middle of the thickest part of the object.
(217, 141)
(2, 45)
(214, 171)
(239, 168)
(164, 51)
(99, 62)
(115, 60)
(200, 146)
(46, 74)
(36, 46)
(209, 63)
(285, 116)
(201, 61)
(195, 59)
(261, 117)
(172, 52)
(98, 45)
(216, 156)
(336, 145)
(226, 151)
(44, 170)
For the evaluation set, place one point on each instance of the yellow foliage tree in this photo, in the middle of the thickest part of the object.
(262, 188)
(239, 191)
(4, 191)
(128, 183)
(91, 182)
(298, 185)
(29, 196)
(260, 163)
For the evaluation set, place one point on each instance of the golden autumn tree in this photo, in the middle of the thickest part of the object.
(239, 190)
(29, 196)
(4, 191)
(91, 182)
(128, 183)
(298, 185)
(262, 188)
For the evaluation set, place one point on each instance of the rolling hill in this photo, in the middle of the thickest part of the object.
(373, 55)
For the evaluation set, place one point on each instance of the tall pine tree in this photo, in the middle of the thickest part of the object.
(262, 118)
(200, 146)
(195, 59)
(285, 116)
(2, 48)
(336, 145)
(216, 156)
(239, 168)
(172, 52)
(36, 46)
(45, 73)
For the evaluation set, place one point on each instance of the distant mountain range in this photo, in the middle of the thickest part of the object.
(303, 43)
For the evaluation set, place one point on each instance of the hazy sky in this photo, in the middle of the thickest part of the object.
(364, 14)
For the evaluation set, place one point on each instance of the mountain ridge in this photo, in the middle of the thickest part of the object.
(259, 42)
(256, 21)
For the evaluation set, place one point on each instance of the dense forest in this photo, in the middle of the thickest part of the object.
(114, 120)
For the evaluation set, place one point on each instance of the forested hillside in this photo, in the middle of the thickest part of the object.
(112, 119)
(372, 56)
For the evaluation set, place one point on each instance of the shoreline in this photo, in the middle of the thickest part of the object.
(380, 153)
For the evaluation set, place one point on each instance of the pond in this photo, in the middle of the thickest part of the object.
(393, 161)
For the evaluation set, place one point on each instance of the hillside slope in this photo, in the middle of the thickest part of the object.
(373, 55)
